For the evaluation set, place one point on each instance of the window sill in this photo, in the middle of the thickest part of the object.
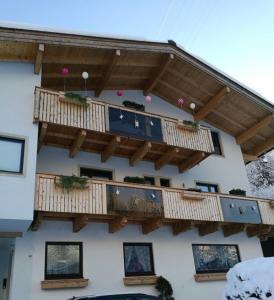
(63, 283)
(140, 280)
(210, 277)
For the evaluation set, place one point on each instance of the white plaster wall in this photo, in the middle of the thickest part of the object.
(103, 260)
(17, 83)
(228, 171)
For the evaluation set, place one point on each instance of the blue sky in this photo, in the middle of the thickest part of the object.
(236, 36)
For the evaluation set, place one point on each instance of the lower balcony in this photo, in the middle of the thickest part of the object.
(119, 204)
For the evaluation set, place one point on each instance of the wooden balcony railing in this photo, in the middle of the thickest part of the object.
(95, 128)
(120, 203)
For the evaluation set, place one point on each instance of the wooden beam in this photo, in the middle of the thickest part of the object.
(39, 58)
(42, 134)
(249, 157)
(151, 225)
(110, 148)
(268, 144)
(166, 158)
(257, 230)
(37, 221)
(231, 229)
(191, 162)
(140, 154)
(211, 104)
(78, 142)
(250, 132)
(168, 58)
(207, 228)
(12, 234)
(79, 222)
(117, 224)
(108, 71)
(181, 226)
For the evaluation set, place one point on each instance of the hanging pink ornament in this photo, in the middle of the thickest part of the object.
(119, 93)
(180, 101)
(148, 99)
(65, 71)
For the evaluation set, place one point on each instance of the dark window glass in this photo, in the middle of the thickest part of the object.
(96, 173)
(165, 182)
(149, 180)
(63, 260)
(216, 143)
(268, 247)
(138, 259)
(207, 187)
(215, 258)
(11, 155)
(133, 124)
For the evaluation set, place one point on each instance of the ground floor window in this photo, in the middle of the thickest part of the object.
(207, 187)
(215, 258)
(138, 259)
(268, 247)
(63, 260)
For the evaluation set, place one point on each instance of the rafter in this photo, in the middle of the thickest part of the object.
(231, 229)
(140, 154)
(168, 58)
(207, 228)
(110, 148)
(37, 221)
(250, 132)
(79, 222)
(249, 157)
(211, 104)
(151, 225)
(181, 226)
(268, 144)
(39, 58)
(78, 142)
(166, 158)
(42, 134)
(256, 230)
(107, 73)
(117, 224)
(191, 162)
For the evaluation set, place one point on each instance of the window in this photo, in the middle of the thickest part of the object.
(215, 258)
(207, 187)
(164, 182)
(138, 259)
(11, 155)
(63, 260)
(216, 143)
(96, 173)
(149, 180)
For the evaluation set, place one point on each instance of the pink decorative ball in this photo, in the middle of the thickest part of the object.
(65, 71)
(148, 99)
(119, 93)
(180, 101)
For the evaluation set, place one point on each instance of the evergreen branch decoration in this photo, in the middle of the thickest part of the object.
(164, 287)
(194, 125)
(78, 99)
(68, 183)
(134, 105)
(237, 192)
(135, 179)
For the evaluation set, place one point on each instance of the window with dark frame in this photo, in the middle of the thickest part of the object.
(149, 180)
(215, 258)
(12, 155)
(138, 259)
(96, 173)
(63, 260)
(216, 143)
(207, 187)
(164, 182)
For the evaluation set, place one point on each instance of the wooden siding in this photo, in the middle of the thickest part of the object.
(50, 198)
(267, 212)
(175, 136)
(176, 207)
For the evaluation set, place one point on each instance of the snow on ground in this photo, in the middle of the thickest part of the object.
(251, 279)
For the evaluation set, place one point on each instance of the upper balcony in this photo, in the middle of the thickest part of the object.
(115, 130)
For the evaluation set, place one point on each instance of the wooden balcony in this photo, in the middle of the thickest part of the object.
(74, 127)
(119, 204)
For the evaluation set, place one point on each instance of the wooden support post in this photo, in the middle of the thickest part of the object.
(181, 226)
(166, 158)
(250, 132)
(107, 73)
(78, 142)
(159, 73)
(207, 228)
(151, 225)
(231, 229)
(191, 162)
(257, 230)
(39, 58)
(79, 222)
(37, 221)
(110, 148)
(140, 154)
(211, 104)
(268, 144)
(42, 134)
(249, 157)
(117, 224)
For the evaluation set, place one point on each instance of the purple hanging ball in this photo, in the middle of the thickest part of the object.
(119, 93)
(148, 99)
(180, 101)
(65, 71)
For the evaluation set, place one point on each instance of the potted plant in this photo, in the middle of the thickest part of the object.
(134, 179)
(164, 287)
(68, 183)
(238, 192)
(74, 99)
(134, 105)
(188, 125)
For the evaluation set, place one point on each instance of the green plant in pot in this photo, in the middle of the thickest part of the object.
(238, 192)
(76, 98)
(194, 125)
(164, 287)
(68, 183)
(134, 105)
